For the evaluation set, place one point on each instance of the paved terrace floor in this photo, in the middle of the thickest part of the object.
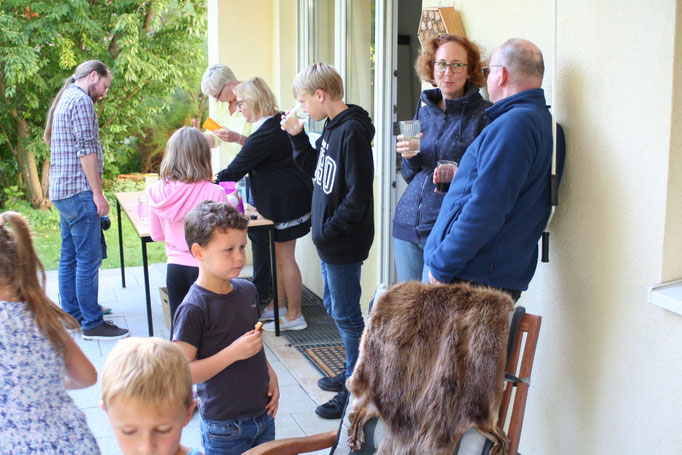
(297, 379)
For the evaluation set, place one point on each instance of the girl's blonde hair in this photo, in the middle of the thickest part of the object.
(258, 95)
(187, 158)
(19, 268)
(150, 371)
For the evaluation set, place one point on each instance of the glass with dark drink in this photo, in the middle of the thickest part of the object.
(445, 171)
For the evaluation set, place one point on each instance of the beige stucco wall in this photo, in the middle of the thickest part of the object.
(608, 371)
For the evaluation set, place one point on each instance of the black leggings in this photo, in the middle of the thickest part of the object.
(179, 278)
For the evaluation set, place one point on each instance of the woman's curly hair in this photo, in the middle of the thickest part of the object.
(427, 57)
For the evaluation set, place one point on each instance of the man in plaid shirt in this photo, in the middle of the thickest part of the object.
(76, 165)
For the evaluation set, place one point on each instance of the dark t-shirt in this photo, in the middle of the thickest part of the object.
(211, 322)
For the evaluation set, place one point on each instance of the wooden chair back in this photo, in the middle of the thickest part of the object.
(513, 398)
(513, 406)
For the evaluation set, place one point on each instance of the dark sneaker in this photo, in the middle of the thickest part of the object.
(105, 331)
(333, 409)
(334, 383)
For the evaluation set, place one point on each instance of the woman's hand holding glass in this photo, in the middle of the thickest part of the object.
(407, 149)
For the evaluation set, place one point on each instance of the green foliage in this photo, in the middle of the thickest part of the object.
(47, 238)
(155, 50)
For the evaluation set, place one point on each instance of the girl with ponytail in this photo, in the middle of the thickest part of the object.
(39, 358)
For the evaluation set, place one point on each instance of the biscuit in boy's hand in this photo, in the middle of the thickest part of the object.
(258, 327)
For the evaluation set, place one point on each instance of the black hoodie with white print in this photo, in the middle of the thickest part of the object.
(342, 167)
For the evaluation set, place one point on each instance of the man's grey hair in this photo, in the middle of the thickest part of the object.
(214, 79)
(522, 59)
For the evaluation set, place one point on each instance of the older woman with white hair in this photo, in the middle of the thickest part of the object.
(219, 83)
(281, 191)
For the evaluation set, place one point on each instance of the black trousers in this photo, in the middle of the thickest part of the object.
(513, 293)
(260, 249)
(179, 278)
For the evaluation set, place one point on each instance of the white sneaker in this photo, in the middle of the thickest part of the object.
(285, 324)
(269, 315)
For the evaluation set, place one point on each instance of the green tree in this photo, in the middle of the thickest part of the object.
(154, 49)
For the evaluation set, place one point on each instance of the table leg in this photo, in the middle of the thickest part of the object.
(145, 268)
(273, 269)
(120, 242)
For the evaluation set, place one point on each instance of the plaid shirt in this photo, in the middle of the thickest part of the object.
(75, 133)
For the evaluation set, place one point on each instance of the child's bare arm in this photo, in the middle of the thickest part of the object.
(273, 392)
(80, 372)
(202, 370)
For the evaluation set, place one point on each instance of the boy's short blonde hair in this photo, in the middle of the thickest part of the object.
(319, 76)
(151, 371)
(258, 95)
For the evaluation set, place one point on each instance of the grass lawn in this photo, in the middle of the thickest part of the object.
(47, 234)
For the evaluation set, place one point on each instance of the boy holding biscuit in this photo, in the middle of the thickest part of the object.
(215, 327)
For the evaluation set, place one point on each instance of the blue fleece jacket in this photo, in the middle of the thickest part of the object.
(493, 215)
(447, 134)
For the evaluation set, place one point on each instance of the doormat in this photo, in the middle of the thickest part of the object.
(329, 359)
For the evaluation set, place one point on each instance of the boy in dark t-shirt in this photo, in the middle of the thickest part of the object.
(214, 327)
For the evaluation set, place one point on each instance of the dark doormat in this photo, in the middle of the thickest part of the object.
(328, 359)
(320, 343)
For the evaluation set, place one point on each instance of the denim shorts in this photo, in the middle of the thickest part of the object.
(236, 436)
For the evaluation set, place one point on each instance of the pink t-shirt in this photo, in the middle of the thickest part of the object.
(169, 203)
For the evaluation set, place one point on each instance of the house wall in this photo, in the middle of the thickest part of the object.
(608, 370)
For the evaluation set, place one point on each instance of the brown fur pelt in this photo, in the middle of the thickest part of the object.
(431, 366)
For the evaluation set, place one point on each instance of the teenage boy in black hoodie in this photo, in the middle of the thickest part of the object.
(342, 209)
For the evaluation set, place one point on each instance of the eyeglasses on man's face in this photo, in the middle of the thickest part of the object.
(221, 91)
(456, 67)
(486, 69)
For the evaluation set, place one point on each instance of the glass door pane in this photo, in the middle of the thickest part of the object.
(360, 53)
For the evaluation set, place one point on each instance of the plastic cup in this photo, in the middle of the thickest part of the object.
(150, 179)
(445, 171)
(211, 125)
(411, 129)
(143, 207)
(295, 117)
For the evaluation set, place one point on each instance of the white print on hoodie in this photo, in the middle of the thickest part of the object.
(325, 172)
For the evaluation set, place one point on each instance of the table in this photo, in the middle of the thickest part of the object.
(128, 200)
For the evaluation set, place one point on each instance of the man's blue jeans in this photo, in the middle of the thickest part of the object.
(80, 259)
(236, 436)
(341, 298)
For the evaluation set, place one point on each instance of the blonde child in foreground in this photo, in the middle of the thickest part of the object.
(147, 395)
(39, 360)
(214, 327)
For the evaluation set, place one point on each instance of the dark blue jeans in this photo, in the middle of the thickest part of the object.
(81, 257)
(236, 436)
(341, 298)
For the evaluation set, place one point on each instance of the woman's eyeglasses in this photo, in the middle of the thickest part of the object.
(456, 67)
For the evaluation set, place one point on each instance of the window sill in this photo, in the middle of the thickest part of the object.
(667, 296)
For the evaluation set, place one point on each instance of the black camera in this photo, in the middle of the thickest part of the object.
(106, 222)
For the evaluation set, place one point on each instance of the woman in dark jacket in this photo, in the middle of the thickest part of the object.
(450, 116)
(281, 191)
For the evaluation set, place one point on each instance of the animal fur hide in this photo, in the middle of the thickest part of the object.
(431, 366)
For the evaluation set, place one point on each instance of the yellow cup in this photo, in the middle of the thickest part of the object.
(211, 125)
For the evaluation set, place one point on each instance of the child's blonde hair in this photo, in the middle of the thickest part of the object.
(20, 269)
(151, 371)
(319, 76)
(187, 157)
(258, 95)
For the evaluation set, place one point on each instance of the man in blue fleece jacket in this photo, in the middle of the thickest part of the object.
(492, 217)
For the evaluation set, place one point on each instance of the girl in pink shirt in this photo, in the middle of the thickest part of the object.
(186, 180)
